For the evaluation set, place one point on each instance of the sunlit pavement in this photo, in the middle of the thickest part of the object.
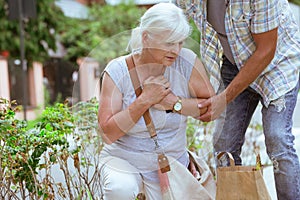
(268, 171)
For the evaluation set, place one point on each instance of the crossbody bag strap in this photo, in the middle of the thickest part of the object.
(138, 90)
(162, 159)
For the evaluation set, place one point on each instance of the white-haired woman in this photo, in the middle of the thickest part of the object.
(173, 82)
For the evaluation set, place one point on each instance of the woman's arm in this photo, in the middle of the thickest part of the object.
(115, 122)
(200, 89)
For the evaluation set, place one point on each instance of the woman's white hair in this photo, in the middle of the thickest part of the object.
(156, 20)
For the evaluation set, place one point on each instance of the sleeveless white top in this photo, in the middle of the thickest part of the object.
(136, 146)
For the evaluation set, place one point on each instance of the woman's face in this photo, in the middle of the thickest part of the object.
(162, 52)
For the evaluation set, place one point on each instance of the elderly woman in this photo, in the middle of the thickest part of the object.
(173, 82)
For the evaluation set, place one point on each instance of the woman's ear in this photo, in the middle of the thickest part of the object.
(145, 38)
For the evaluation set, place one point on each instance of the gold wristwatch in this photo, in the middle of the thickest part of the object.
(178, 105)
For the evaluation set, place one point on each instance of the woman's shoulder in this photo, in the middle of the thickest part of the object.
(116, 65)
(185, 62)
(187, 53)
(119, 61)
(187, 57)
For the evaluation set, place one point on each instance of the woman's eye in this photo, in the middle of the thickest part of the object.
(173, 44)
(170, 43)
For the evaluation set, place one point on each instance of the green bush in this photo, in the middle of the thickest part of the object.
(297, 2)
(22, 149)
(81, 37)
(105, 34)
(38, 32)
(65, 144)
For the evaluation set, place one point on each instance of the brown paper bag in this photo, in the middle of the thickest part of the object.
(240, 182)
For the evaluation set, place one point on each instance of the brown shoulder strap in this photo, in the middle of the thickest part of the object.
(133, 75)
(138, 90)
(162, 159)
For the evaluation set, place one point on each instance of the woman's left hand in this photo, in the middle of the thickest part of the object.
(166, 103)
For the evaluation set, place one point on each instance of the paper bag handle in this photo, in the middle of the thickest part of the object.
(232, 163)
(231, 159)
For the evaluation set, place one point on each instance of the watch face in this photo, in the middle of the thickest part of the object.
(177, 106)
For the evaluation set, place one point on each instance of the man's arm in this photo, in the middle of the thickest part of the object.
(253, 67)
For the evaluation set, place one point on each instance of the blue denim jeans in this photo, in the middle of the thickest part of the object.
(277, 128)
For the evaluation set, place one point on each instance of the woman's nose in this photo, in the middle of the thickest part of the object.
(176, 48)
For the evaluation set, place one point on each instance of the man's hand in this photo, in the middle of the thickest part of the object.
(215, 104)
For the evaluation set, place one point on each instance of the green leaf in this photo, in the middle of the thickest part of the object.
(49, 127)
(53, 158)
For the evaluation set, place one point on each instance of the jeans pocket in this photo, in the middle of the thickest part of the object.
(228, 71)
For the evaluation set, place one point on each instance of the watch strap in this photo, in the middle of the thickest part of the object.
(178, 101)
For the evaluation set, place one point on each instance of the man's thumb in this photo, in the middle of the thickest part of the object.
(203, 104)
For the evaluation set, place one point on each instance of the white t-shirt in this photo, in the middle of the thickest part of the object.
(136, 146)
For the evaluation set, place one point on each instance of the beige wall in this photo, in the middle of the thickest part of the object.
(36, 88)
(89, 83)
(4, 79)
(36, 92)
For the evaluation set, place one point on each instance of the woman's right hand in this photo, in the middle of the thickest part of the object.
(155, 89)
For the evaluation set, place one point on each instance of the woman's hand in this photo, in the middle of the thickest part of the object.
(167, 103)
(155, 89)
(193, 170)
(215, 106)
